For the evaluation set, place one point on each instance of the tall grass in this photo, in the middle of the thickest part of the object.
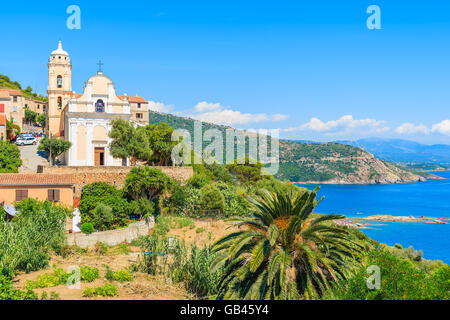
(190, 266)
(27, 240)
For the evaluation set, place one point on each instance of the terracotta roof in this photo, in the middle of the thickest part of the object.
(12, 92)
(2, 120)
(35, 179)
(133, 99)
(4, 94)
(77, 95)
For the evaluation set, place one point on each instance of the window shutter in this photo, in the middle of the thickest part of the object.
(2, 108)
(56, 195)
(21, 195)
(50, 195)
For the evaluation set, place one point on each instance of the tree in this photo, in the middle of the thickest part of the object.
(30, 116)
(212, 199)
(138, 147)
(9, 158)
(285, 252)
(146, 182)
(54, 147)
(122, 133)
(248, 171)
(42, 120)
(160, 142)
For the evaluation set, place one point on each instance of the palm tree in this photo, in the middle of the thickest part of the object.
(285, 250)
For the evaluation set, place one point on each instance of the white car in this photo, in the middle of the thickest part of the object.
(26, 141)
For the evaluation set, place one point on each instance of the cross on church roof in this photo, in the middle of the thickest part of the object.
(100, 64)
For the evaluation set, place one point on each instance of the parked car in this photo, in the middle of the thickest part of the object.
(26, 141)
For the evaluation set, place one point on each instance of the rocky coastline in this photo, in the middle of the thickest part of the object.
(364, 223)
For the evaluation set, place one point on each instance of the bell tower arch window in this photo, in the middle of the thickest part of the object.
(100, 106)
(60, 103)
(59, 82)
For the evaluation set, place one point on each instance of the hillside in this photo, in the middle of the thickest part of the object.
(6, 83)
(319, 163)
(398, 150)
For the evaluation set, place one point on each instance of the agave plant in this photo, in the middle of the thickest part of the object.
(284, 250)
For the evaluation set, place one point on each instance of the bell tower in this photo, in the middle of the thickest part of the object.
(59, 89)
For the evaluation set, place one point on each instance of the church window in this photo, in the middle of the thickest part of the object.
(59, 102)
(59, 82)
(100, 106)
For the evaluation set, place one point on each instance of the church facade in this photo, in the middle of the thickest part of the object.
(84, 119)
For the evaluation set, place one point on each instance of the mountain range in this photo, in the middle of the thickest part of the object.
(398, 150)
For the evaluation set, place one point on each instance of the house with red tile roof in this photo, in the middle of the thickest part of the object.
(58, 188)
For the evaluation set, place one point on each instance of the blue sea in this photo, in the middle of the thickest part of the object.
(430, 199)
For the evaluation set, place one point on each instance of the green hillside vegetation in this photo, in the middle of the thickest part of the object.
(7, 83)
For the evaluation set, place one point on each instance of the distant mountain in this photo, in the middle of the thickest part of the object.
(318, 162)
(398, 150)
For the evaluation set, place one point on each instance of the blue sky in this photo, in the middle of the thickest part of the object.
(311, 68)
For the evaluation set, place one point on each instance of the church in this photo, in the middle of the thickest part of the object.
(84, 119)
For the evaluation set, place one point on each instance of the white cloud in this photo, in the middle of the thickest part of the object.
(159, 107)
(205, 106)
(443, 127)
(216, 113)
(343, 125)
(410, 128)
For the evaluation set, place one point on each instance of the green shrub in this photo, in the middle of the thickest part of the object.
(107, 290)
(10, 160)
(400, 280)
(99, 192)
(118, 275)
(87, 228)
(235, 204)
(142, 208)
(89, 274)
(102, 217)
(438, 284)
(212, 199)
(89, 292)
(8, 292)
(100, 248)
(198, 181)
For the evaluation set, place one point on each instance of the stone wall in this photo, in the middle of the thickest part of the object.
(113, 237)
(113, 175)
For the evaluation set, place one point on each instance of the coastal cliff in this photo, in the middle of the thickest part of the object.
(334, 163)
